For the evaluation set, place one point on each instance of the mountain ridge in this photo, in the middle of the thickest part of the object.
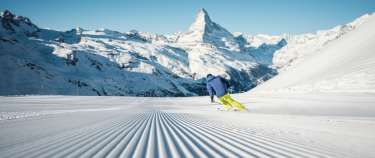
(107, 62)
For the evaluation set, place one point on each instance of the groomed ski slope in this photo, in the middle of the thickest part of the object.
(339, 125)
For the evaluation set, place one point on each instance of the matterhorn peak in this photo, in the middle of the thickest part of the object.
(201, 20)
(204, 30)
(202, 10)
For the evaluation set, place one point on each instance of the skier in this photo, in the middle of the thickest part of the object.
(218, 86)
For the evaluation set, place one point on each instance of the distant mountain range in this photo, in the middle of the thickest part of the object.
(340, 60)
(106, 62)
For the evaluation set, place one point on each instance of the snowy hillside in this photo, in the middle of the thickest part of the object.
(107, 62)
(305, 45)
(343, 65)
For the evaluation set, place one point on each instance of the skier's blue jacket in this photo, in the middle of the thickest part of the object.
(216, 86)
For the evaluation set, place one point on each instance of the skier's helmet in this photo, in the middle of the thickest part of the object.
(209, 75)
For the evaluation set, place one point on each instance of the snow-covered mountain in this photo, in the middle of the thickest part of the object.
(213, 49)
(337, 60)
(16, 24)
(204, 30)
(299, 47)
(107, 62)
(80, 62)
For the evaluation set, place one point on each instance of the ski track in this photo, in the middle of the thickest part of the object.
(157, 133)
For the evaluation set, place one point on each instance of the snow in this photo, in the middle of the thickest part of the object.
(44, 61)
(259, 39)
(303, 46)
(108, 62)
(320, 105)
(343, 65)
(335, 125)
(203, 30)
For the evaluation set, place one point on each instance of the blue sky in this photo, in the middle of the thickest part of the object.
(169, 16)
